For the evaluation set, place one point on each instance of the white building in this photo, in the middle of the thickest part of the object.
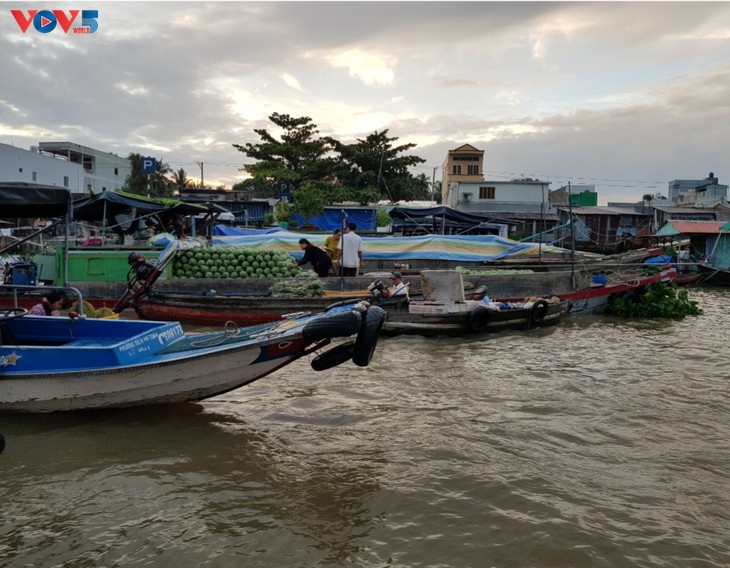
(64, 164)
(495, 196)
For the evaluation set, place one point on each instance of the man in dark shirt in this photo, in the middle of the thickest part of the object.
(321, 262)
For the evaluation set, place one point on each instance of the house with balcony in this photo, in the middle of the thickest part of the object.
(464, 164)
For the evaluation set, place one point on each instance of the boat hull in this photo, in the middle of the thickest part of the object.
(242, 310)
(431, 319)
(594, 301)
(179, 380)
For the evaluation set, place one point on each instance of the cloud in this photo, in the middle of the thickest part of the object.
(369, 67)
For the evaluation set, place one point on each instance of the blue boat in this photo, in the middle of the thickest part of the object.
(50, 364)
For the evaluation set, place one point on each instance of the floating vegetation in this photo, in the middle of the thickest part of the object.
(657, 301)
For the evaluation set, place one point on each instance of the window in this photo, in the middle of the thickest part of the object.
(65, 181)
(456, 169)
(487, 192)
(20, 170)
(116, 171)
(472, 170)
(35, 176)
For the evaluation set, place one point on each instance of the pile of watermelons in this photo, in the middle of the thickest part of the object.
(232, 262)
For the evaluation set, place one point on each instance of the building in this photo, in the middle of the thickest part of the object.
(64, 164)
(576, 195)
(604, 229)
(464, 164)
(705, 192)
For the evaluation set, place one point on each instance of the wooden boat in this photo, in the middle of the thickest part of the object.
(52, 364)
(434, 318)
(594, 299)
(444, 311)
(217, 309)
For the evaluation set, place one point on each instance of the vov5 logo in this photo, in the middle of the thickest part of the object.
(45, 21)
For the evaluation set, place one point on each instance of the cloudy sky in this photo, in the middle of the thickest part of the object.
(624, 96)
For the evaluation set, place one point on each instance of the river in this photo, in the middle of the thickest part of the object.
(595, 443)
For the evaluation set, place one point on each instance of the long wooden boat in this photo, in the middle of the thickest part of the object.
(50, 364)
(217, 309)
(449, 318)
(594, 300)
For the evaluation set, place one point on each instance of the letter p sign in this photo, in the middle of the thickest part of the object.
(148, 165)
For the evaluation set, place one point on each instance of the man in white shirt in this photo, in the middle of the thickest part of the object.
(398, 288)
(350, 251)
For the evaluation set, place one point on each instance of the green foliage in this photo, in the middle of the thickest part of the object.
(283, 212)
(657, 301)
(154, 185)
(362, 172)
(310, 199)
(305, 284)
(257, 187)
(382, 218)
(298, 156)
(377, 163)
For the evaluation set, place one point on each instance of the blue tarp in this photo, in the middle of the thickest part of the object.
(331, 219)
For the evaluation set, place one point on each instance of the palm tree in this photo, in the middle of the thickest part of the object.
(180, 180)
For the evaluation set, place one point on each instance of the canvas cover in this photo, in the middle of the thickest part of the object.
(22, 200)
(463, 248)
(111, 203)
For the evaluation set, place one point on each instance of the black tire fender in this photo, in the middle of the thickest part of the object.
(333, 357)
(367, 338)
(342, 303)
(479, 319)
(538, 311)
(335, 325)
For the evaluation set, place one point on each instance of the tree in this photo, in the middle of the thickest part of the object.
(309, 199)
(154, 184)
(297, 157)
(180, 180)
(257, 187)
(376, 163)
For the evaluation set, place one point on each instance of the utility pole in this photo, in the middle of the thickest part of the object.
(202, 184)
(433, 184)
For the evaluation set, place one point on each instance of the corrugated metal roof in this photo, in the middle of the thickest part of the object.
(691, 227)
(604, 210)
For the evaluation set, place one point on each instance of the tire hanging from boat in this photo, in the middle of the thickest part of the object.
(479, 319)
(336, 325)
(538, 311)
(333, 357)
(367, 337)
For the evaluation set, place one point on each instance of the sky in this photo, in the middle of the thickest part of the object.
(625, 96)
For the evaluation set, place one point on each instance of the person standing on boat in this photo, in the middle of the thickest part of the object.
(332, 246)
(321, 262)
(50, 305)
(351, 251)
(398, 288)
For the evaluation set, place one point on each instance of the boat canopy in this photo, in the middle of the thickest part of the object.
(20, 199)
(438, 219)
(111, 203)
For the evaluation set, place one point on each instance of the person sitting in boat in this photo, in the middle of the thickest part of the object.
(398, 288)
(321, 262)
(141, 268)
(480, 295)
(50, 305)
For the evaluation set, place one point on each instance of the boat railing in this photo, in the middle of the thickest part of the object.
(15, 288)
